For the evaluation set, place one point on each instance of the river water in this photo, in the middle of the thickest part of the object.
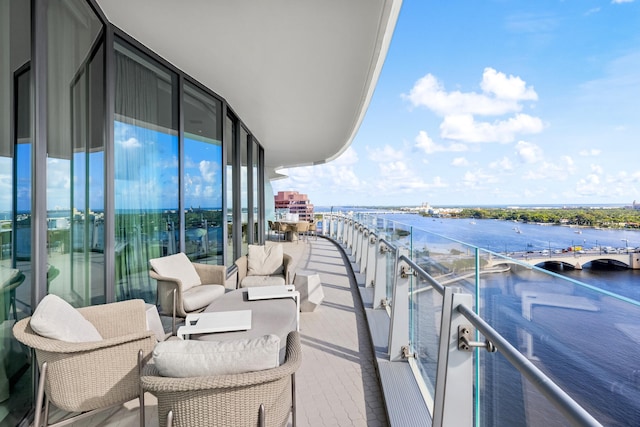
(500, 236)
(586, 341)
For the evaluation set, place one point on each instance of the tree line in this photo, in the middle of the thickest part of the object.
(604, 218)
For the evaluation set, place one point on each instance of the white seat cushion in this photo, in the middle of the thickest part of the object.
(250, 281)
(201, 296)
(57, 319)
(265, 260)
(183, 359)
(177, 266)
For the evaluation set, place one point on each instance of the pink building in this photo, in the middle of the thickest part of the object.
(296, 203)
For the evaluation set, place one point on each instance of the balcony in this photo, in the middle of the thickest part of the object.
(412, 332)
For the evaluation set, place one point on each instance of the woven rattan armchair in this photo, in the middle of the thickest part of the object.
(263, 398)
(91, 376)
(175, 299)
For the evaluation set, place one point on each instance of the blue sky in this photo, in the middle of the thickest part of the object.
(497, 102)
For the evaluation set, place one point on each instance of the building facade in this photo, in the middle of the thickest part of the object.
(295, 203)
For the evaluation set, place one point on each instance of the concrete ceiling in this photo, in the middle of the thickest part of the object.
(299, 73)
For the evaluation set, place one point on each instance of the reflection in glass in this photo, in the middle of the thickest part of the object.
(231, 151)
(244, 189)
(75, 147)
(203, 176)
(146, 171)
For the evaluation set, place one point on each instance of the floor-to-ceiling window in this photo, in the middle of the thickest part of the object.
(255, 238)
(75, 153)
(16, 142)
(244, 188)
(202, 177)
(146, 170)
(232, 152)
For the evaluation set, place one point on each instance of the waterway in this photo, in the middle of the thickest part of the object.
(585, 340)
(502, 236)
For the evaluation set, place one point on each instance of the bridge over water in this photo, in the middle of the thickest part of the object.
(575, 260)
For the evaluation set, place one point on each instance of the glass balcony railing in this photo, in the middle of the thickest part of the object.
(566, 351)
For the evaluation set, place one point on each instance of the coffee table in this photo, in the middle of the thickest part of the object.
(275, 292)
(221, 321)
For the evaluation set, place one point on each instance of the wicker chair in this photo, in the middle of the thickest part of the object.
(173, 293)
(250, 399)
(242, 264)
(91, 376)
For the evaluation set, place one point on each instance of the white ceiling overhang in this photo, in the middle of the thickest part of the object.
(299, 73)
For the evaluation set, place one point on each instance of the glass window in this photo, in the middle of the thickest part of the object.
(244, 188)
(16, 142)
(75, 153)
(230, 125)
(203, 176)
(254, 191)
(146, 171)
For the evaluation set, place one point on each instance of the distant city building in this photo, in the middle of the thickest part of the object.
(295, 203)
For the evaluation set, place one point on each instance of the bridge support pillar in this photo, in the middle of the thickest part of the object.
(577, 266)
(634, 261)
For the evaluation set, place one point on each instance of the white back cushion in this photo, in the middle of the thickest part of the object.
(191, 358)
(264, 260)
(56, 319)
(179, 267)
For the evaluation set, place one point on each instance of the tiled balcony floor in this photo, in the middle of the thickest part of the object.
(337, 384)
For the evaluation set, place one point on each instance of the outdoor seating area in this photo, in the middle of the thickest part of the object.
(274, 334)
(292, 231)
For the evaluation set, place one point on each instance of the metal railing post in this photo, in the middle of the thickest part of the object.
(339, 229)
(369, 278)
(348, 228)
(364, 250)
(399, 325)
(380, 280)
(361, 232)
(453, 401)
(357, 232)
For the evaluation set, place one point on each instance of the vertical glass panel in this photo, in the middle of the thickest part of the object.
(203, 176)
(231, 149)
(244, 189)
(16, 133)
(254, 192)
(74, 152)
(146, 171)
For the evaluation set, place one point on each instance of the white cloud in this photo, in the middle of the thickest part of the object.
(208, 170)
(465, 128)
(385, 154)
(459, 161)
(336, 176)
(621, 1)
(501, 95)
(426, 144)
(478, 179)
(552, 171)
(129, 143)
(504, 87)
(503, 164)
(528, 152)
(597, 169)
(590, 152)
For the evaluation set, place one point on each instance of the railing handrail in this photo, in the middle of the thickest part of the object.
(549, 389)
(433, 282)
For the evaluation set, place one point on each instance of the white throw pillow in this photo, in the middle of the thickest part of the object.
(265, 260)
(56, 319)
(179, 267)
(190, 358)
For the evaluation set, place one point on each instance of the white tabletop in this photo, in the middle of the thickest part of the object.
(219, 321)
